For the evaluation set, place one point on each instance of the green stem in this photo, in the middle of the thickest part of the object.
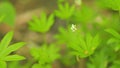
(82, 63)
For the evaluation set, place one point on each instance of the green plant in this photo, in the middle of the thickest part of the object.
(8, 12)
(112, 4)
(107, 55)
(99, 60)
(81, 46)
(65, 11)
(84, 15)
(5, 50)
(1, 18)
(42, 24)
(115, 39)
(45, 55)
(103, 58)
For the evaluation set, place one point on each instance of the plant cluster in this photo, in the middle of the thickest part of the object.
(5, 50)
(45, 55)
(86, 34)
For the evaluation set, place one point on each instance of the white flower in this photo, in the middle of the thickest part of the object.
(73, 28)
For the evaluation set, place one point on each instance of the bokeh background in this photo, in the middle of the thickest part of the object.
(89, 16)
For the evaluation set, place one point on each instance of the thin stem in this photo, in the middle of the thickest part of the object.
(82, 63)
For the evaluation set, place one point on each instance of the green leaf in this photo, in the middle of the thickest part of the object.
(1, 18)
(65, 11)
(35, 53)
(88, 40)
(96, 41)
(5, 41)
(112, 4)
(98, 60)
(12, 48)
(36, 66)
(82, 46)
(5, 50)
(51, 21)
(112, 40)
(113, 32)
(13, 58)
(45, 54)
(84, 15)
(3, 64)
(7, 10)
(42, 24)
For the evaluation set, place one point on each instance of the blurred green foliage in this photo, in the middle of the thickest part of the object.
(1, 18)
(45, 55)
(8, 12)
(94, 35)
(84, 14)
(115, 39)
(42, 24)
(65, 11)
(81, 46)
(17, 64)
(112, 4)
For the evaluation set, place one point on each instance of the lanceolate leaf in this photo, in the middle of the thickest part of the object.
(96, 41)
(5, 41)
(88, 40)
(5, 50)
(11, 48)
(112, 40)
(83, 44)
(113, 32)
(1, 18)
(13, 58)
(51, 21)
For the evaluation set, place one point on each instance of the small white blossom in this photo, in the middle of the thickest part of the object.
(73, 28)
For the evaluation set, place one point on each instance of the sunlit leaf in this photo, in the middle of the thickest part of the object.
(6, 41)
(14, 58)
